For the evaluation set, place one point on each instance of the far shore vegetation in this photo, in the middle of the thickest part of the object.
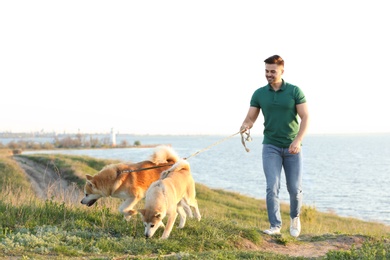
(59, 227)
(74, 141)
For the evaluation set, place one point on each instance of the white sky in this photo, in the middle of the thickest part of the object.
(189, 67)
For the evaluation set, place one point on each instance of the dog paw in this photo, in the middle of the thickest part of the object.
(132, 212)
(127, 215)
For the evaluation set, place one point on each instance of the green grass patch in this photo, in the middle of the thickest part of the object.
(11, 176)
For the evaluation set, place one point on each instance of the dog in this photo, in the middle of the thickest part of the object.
(128, 181)
(173, 194)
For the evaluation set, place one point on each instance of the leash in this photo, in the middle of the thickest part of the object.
(147, 168)
(166, 173)
(208, 147)
(248, 138)
(243, 139)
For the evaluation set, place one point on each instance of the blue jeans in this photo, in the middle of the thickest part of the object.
(274, 158)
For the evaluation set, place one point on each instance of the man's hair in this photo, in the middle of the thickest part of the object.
(275, 59)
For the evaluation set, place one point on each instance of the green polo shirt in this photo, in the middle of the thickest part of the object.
(281, 124)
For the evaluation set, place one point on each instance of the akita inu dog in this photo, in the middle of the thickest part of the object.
(128, 181)
(173, 194)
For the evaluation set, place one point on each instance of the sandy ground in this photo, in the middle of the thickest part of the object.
(48, 184)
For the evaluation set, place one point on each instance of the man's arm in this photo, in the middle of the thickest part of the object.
(303, 113)
(250, 119)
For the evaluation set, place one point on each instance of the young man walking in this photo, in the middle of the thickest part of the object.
(281, 104)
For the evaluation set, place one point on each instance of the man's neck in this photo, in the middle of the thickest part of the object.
(277, 85)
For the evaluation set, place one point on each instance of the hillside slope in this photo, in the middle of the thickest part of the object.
(47, 182)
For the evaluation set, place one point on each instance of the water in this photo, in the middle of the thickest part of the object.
(344, 174)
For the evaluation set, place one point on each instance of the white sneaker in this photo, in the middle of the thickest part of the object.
(295, 227)
(272, 231)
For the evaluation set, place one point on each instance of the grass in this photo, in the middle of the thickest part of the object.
(11, 174)
(32, 228)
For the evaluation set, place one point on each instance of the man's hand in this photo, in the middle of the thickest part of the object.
(295, 147)
(244, 128)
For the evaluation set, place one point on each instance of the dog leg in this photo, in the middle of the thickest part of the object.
(191, 203)
(197, 213)
(182, 215)
(186, 208)
(169, 225)
(194, 204)
(126, 208)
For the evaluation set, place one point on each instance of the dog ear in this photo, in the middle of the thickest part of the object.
(90, 184)
(89, 177)
(158, 215)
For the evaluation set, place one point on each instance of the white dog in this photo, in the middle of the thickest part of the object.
(169, 196)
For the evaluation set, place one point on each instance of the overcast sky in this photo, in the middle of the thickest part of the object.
(189, 67)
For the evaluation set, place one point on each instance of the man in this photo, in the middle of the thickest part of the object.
(281, 103)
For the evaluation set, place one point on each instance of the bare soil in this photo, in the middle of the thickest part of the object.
(48, 183)
(307, 248)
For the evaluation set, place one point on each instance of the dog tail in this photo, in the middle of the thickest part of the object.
(164, 154)
(179, 165)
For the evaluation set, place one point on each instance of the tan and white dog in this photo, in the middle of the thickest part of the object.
(170, 196)
(128, 181)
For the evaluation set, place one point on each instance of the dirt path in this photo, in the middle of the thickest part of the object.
(307, 248)
(46, 182)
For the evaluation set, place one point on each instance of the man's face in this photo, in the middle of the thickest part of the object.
(273, 73)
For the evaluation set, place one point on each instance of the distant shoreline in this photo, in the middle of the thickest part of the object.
(21, 151)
